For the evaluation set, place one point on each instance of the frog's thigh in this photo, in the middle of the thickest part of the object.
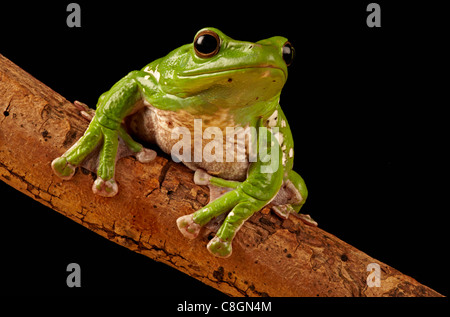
(300, 185)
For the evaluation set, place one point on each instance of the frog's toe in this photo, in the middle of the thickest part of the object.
(188, 227)
(62, 168)
(308, 220)
(104, 188)
(201, 177)
(219, 248)
(145, 155)
(86, 112)
(283, 211)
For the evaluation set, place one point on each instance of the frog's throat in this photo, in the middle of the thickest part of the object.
(228, 70)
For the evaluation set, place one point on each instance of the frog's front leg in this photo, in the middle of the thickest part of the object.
(104, 130)
(250, 196)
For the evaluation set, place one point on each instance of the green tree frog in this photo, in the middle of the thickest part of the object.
(226, 84)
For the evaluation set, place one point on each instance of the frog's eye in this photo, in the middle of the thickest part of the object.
(288, 53)
(207, 44)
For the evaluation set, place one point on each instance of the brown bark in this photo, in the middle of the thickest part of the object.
(271, 256)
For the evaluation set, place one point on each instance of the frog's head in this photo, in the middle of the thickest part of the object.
(224, 72)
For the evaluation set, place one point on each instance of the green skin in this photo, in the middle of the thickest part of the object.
(201, 86)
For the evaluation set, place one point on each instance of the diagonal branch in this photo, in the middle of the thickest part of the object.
(271, 256)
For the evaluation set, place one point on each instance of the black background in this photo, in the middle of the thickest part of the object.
(363, 105)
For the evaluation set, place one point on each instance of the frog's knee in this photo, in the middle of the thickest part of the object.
(62, 168)
(300, 185)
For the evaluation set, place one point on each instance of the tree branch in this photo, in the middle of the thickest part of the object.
(271, 256)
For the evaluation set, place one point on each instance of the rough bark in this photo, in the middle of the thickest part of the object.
(271, 257)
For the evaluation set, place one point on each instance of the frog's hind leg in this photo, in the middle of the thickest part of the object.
(218, 188)
(190, 225)
(242, 207)
(221, 245)
(297, 193)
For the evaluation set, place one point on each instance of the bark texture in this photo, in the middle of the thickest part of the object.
(271, 257)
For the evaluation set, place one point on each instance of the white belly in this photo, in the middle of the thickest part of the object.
(154, 125)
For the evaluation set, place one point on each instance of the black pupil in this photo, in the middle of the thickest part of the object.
(288, 53)
(206, 44)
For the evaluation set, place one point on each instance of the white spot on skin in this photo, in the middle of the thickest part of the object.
(273, 119)
(155, 72)
(279, 137)
(283, 123)
(283, 160)
(291, 152)
(265, 74)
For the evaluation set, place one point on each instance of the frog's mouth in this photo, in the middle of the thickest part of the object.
(204, 73)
